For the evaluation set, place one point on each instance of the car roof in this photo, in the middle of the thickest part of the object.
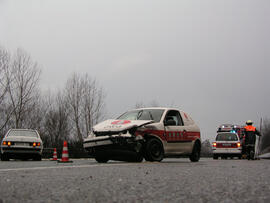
(22, 129)
(15, 129)
(161, 108)
(230, 125)
(227, 133)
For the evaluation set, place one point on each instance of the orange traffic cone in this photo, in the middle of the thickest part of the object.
(54, 155)
(65, 154)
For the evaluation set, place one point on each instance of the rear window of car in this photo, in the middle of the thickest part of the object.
(227, 137)
(23, 133)
(145, 114)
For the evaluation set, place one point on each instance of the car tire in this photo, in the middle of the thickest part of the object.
(196, 153)
(37, 158)
(101, 159)
(139, 158)
(4, 157)
(252, 155)
(215, 156)
(153, 150)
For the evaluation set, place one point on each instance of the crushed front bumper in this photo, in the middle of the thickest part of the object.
(121, 139)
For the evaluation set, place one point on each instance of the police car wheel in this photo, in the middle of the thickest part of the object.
(154, 150)
(4, 157)
(252, 155)
(37, 158)
(196, 152)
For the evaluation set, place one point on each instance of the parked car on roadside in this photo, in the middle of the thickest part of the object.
(21, 144)
(150, 133)
(227, 144)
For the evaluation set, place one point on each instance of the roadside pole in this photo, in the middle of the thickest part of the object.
(259, 141)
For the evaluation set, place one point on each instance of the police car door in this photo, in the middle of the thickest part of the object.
(174, 132)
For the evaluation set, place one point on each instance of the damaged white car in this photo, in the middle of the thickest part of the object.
(150, 133)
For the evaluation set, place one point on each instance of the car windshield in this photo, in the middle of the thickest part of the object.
(145, 114)
(227, 137)
(24, 133)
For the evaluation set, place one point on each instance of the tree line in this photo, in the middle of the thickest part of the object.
(65, 114)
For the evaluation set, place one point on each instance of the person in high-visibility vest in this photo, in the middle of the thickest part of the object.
(250, 139)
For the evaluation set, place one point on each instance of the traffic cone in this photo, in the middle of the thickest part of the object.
(65, 154)
(54, 155)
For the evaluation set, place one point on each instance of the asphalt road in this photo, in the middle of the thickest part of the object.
(172, 180)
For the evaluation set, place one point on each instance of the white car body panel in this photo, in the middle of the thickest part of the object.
(119, 125)
(176, 140)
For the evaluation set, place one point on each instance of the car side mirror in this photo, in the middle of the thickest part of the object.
(170, 122)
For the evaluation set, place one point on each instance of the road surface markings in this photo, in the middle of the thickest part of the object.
(64, 167)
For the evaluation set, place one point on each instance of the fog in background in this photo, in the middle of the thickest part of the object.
(208, 58)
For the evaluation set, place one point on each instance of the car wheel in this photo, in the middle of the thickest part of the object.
(153, 150)
(252, 155)
(37, 158)
(215, 156)
(139, 158)
(100, 159)
(196, 152)
(4, 157)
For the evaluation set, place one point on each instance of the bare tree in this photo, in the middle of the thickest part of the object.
(86, 101)
(4, 65)
(22, 86)
(5, 109)
(56, 125)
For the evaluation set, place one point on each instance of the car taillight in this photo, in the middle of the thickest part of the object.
(214, 144)
(34, 144)
(38, 144)
(4, 143)
(9, 143)
(238, 144)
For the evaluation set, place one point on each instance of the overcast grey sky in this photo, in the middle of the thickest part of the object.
(208, 58)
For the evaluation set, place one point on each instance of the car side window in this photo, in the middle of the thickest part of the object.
(174, 115)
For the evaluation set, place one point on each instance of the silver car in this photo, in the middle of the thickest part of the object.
(21, 144)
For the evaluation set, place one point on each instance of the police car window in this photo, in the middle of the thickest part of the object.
(226, 137)
(175, 115)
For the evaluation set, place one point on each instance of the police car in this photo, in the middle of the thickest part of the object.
(227, 144)
(21, 144)
(150, 133)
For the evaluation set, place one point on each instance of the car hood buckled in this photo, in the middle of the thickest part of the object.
(119, 125)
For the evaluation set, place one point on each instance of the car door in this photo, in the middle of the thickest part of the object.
(175, 132)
